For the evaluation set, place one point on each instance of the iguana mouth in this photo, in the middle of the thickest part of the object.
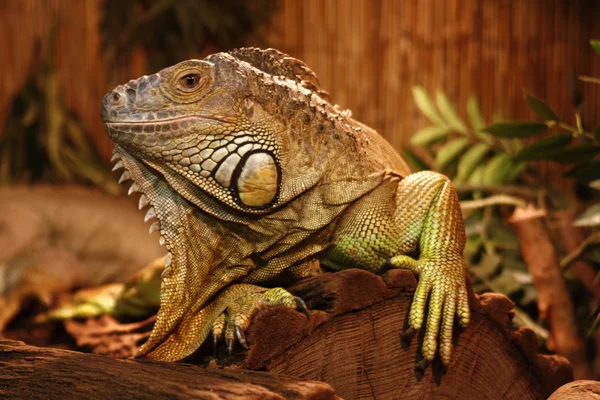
(220, 118)
(148, 198)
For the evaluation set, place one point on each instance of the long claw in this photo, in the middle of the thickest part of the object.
(215, 343)
(229, 346)
(407, 336)
(241, 337)
(422, 365)
(300, 304)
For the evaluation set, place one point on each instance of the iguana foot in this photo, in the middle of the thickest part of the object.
(447, 295)
(236, 319)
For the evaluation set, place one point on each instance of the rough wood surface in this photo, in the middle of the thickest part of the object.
(354, 344)
(578, 390)
(42, 373)
(351, 342)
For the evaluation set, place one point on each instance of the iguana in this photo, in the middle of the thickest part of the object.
(252, 174)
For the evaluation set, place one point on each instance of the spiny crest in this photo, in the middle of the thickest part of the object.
(276, 63)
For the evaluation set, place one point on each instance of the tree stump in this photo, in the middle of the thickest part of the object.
(353, 343)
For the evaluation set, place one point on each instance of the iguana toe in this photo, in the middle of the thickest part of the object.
(446, 296)
(235, 320)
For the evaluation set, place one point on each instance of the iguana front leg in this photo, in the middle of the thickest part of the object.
(230, 312)
(430, 218)
(418, 214)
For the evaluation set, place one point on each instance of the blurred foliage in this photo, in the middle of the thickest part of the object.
(502, 159)
(43, 141)
(174, 30)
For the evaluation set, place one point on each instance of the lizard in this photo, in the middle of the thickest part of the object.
(251, 174)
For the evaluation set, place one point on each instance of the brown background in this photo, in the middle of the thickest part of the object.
(367, 53)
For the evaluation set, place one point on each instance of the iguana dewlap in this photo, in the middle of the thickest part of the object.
(252, 174)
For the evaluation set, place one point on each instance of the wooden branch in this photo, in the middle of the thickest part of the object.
(554, 301)
(574, 242)
(499, 199)
(43, 373)
(352, 342)
(516, 190)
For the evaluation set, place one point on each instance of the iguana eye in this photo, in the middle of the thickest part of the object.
(189, 82)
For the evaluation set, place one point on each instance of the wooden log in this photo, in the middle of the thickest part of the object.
(353, 343)
(30, 372)
(554, 301)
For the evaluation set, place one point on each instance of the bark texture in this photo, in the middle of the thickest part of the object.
(353, 343)
(43, 373)
(578, 390)
(554, 300)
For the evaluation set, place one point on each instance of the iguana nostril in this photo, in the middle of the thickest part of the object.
(115, 98)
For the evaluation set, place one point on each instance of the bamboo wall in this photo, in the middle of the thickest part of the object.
(367, 53)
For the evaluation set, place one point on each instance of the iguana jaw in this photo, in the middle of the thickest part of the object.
(171, 212)
(148, 197)
(113, 125)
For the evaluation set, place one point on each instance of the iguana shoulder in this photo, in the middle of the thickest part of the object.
(323, 116)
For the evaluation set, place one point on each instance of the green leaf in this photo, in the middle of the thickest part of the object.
(450, 152)
(423, 101)
(590, 217)
(586, 173)
(497, 169)
(474, 113)
(414, 161)
(577, 154)
(545, 149)
(469, 160)
(515, 172)
(476, 177)
(519, 129)
(597, 133)
(429, 134)
(596, 45)
(448, 112)
(540, 108)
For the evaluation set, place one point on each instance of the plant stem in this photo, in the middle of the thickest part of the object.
(518, 190)
(575, 254)
(493, 201)
(589, 79)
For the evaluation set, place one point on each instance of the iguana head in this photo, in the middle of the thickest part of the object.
(250, 128)
(195, 121)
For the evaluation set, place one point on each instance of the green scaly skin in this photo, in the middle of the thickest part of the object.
(253, 174)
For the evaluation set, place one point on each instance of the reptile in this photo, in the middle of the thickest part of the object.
(250, 174)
